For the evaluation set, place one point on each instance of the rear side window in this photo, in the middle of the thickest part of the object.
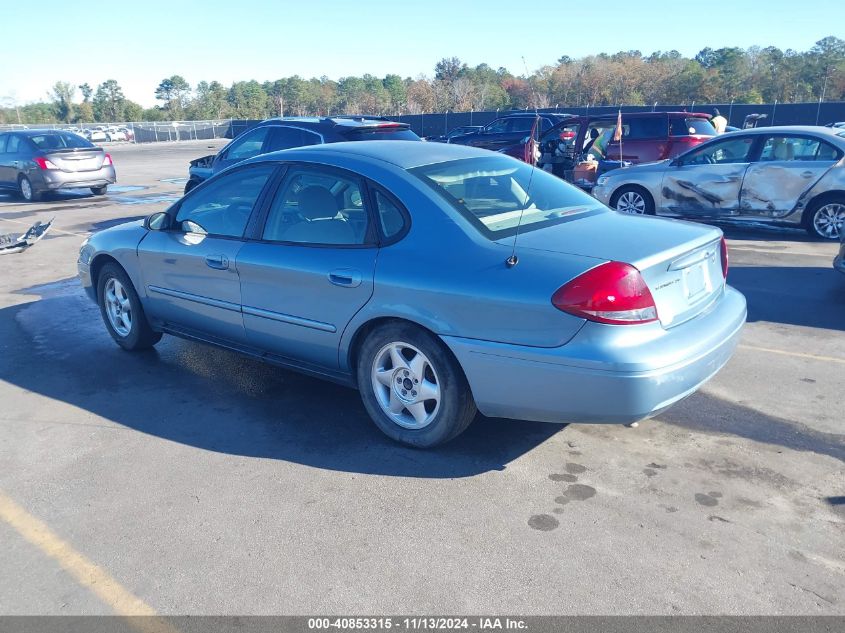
(390, 217)
(60, 140)
(382, 134)
(784, 148)
(688, 126)
(14, 145)
(289, 137)
(646, 127)
(3, 138)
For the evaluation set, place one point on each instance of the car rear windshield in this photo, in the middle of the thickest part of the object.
(690, 126)
(384, 133)
(498, 193)
(60, 140)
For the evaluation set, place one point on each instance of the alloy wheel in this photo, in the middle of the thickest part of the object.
(118, 307)
(829, 220)
(631, 202)
(26, 189)
(406, 385)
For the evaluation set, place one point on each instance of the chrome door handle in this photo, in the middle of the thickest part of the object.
(345, 277)
(219, 262)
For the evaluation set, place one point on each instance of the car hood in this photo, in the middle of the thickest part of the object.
(642, 168)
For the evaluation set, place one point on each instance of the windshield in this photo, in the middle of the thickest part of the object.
(60, 140)
(498, 193)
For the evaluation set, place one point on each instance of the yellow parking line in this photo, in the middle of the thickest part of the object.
(83, 570)
(827, 359)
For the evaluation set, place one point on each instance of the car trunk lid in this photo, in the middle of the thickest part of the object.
(76, 160)
(679, 261)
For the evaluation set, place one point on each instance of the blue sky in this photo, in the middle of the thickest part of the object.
(140, 43)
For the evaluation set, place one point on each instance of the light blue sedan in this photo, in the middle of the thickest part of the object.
(440, 280)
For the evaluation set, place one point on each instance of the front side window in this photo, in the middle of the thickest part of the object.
(223, 206)
(522, 124)
(497, 193)
(498, 126)
(3, 138)
(734, 150)
(248, 145)
(645, 127)
(317, 207)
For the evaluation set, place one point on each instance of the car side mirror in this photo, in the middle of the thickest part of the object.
(159, 221)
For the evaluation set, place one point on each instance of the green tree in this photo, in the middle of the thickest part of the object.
(86, 91)
(62, 95)
(174, 92)
(109, 101)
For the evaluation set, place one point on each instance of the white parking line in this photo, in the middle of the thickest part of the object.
(53, 229)
(826, 359)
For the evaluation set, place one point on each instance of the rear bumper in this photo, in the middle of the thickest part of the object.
(605, 374)
(54, 179)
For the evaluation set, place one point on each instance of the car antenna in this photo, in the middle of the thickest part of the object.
(513, 260)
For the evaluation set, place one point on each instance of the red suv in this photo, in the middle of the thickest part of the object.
(646, 137)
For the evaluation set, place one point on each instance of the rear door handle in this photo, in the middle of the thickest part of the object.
(220, 262)
(345, 277)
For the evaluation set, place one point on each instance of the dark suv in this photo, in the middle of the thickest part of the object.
(289, 132)
(509, 130)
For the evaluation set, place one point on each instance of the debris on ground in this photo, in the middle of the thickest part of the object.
(10, 243)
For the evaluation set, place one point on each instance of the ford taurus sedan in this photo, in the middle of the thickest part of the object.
(784, 175)
(34, 162)
(437, 279)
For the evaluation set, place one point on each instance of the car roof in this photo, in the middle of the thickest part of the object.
(37, 132)
(404, 154)
(346, 121)
(828, 133)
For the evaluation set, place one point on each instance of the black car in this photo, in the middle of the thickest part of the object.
(289, 132)
(509, 129)
(454, 132)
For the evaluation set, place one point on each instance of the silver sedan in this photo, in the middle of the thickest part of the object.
(789, 175)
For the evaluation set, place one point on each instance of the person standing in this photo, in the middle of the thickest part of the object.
(719, 122)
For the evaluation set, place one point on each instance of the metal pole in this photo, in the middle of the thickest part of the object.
(821, 98)
(730, 110)
(774, 107)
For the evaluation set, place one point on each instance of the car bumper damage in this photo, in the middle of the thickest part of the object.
(605, 374)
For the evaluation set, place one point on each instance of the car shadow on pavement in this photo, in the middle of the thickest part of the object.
(810, 297)
(220, 401)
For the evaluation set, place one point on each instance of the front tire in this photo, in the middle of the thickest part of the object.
(100, 191)
(825, 219)
(633, 201)
(412, 386)
(122, 312)
(27, 192)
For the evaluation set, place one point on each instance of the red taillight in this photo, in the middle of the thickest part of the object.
(724, 257)
(43, 163)
(107, 160)
(611, 293)
(567, 135)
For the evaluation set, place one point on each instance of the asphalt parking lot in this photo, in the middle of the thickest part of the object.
(189, 480)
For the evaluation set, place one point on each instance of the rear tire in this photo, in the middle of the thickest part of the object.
(632, 200)
(412, 387)
(825, 219)
(121, 310)
(100, 191)
(27, 192)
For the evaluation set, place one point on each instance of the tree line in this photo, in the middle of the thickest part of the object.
(752, 75)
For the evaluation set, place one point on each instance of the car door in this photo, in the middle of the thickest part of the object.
(189, 272)
(708, 179)
(788, 166)
(247, 145)
(310, 267)
(11, 159)
(500, 133)
(5, 164)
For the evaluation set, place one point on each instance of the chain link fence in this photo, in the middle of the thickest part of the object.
(146, 131)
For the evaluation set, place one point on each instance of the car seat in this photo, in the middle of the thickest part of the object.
(321, 223)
